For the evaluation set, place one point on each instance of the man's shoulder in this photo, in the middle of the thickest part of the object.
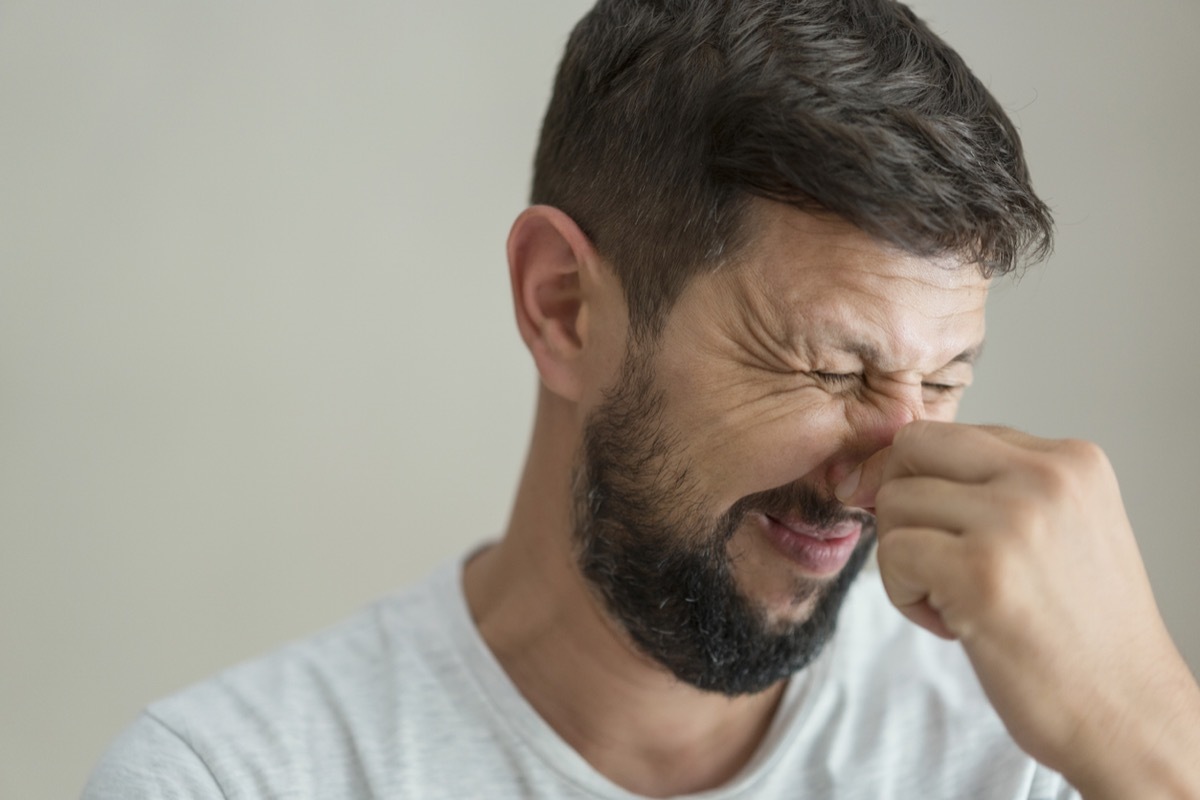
(342, 665)
(308, 710)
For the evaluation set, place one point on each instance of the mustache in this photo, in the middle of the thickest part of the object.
(816, 508)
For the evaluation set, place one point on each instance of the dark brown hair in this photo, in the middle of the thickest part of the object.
(667, 115)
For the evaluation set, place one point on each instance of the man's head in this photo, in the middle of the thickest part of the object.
(705, 515)
(667, 115)
(764, 239)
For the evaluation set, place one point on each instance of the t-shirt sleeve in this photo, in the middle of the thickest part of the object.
(149, 761)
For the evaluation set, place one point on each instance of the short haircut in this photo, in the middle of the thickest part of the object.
(668, 115)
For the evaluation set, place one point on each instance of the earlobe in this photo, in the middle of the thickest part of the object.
(547, 253)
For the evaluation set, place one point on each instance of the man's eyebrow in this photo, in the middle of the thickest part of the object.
(869, 353)
(969, 356)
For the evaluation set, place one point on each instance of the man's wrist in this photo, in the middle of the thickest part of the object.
(1153, 752)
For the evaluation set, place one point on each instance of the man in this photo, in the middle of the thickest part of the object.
(753, 284)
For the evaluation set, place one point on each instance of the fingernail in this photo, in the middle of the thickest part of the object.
(845, 489)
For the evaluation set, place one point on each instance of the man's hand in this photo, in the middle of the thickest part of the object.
(1020, 548)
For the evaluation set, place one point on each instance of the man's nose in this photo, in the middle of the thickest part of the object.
(873, 430)
(884, 421)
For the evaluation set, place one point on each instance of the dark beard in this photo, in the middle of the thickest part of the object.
(661, 564)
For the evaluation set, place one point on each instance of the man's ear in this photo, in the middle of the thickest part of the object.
(547, 254)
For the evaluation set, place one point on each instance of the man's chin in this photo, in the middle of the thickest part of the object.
(791, 604)
(785, 575)
(787, 595)
(715, 625)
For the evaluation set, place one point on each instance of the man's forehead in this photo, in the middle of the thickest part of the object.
(823, 281)
(869, 353)
(888, 336)
(792, 255)
(790, 243)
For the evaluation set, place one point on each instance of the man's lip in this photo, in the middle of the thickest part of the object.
(839, 530)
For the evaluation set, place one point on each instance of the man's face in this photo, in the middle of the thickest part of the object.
(704, 507)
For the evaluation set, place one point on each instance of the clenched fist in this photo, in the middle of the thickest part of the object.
(1020, 548)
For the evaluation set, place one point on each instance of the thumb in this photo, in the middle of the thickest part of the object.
(859, 487)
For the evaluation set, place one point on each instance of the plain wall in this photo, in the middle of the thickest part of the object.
(257, 360)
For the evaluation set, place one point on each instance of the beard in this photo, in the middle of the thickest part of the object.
(660, 562)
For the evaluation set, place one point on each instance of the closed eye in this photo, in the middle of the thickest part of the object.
(839, 378)
(848, 379)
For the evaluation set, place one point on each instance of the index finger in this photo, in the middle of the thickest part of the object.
(956, 452)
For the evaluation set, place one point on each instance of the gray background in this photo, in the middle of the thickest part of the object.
(257, 363)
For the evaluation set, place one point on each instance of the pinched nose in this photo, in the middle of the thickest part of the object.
(857, 484)
(859, 487)
(878, 425)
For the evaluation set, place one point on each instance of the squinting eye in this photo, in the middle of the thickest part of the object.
(941, 388)
(839, 378)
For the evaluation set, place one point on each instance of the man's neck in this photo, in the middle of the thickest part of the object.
(632, 720)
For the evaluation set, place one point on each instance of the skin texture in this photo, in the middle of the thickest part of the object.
(793, 365)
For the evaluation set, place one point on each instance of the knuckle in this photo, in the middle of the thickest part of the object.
(1054, 477)
(1069, 469)
(990, 572)
(1022, 510)
(1087, 457)
(1025, 522)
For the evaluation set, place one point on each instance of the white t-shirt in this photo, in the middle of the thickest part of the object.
(404, 700)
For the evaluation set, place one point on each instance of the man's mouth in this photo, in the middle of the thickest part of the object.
(819, 550)
(797, 525)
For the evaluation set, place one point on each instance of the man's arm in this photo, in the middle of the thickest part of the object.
(1020, 548)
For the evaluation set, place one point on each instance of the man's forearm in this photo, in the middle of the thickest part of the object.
(1154, 752)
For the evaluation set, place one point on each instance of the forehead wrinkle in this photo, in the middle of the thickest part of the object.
(810, 280)
(887, 343)
(909, 315)
(869, 354)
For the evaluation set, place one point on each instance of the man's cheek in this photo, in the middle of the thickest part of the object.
(766, 445)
